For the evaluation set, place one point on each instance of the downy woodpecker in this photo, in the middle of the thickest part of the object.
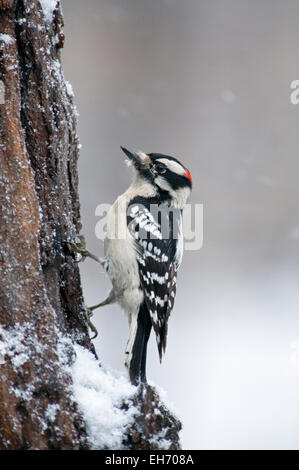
(143, 251)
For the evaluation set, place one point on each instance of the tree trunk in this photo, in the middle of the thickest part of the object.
(42, 313)
(41, 300)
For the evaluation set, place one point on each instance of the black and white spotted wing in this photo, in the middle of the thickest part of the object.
(158, 254)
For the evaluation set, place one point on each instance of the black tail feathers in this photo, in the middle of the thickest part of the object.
(137, 366)
(162, 341)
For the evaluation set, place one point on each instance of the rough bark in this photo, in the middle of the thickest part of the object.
(42, 310)
(41, 301)
(155, 426)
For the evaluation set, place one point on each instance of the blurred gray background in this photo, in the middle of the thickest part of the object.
(207, 81)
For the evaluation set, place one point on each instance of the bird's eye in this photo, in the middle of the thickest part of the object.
(160, 168)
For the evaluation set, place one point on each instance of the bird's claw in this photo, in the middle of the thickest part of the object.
(90, 324)
(77, 245)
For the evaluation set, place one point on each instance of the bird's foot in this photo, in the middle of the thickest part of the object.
(90, 314)
(77, 245)
(89, 322)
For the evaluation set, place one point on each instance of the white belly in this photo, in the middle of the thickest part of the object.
(122, 267)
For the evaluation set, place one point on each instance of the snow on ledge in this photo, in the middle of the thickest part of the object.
(48, 7)
(100, 394)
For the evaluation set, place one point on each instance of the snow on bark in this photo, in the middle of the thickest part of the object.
(156, 426)
(119, 415)
(48, 7)
(105, 399)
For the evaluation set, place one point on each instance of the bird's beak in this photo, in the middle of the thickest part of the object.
(134, 158)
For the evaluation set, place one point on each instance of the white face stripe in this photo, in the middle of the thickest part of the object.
(172, 165)
(180, 196)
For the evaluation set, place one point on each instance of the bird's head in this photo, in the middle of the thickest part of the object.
(171, 180)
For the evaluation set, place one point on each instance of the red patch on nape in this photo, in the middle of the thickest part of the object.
(188, 175)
